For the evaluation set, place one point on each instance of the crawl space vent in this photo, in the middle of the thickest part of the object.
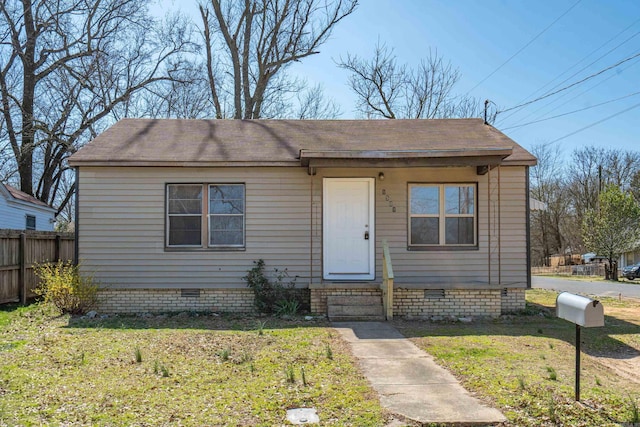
(190, 293)
(434, 293)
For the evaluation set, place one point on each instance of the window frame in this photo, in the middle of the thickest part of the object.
(209, 215)
(442, 217)
(204, 219)
(26, 222)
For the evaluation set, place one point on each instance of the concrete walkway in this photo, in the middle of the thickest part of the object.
(408, 381)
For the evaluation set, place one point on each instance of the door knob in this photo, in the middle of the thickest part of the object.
(366, 235)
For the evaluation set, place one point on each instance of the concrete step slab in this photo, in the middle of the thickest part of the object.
(357, 318)
(355, 310)
(353, 300)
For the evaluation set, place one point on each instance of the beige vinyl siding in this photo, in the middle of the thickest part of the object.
(122, 231)
(507, 261)
(122, 220)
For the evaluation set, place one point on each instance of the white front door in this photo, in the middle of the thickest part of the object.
(348, 229)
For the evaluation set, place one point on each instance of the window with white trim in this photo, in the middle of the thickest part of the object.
(442, 215)
(205, 215)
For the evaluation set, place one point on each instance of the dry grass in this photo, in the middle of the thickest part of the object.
(525, 365)
(175, 370)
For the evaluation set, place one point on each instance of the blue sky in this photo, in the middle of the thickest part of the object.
(478, 36)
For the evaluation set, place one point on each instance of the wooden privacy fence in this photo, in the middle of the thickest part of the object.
(19, 251)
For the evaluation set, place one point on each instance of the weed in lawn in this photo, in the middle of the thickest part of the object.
(252, 367)
(156, 367)
(165, 371)
(246, 357)
(598, 382)
(551, 409)
(521, 383)
(553, 375)
(261, 325)
(82, 359)
(635, 412)
(289, 374)
(551, 345)
(304, 377)
(138, 355)
(224, 354)
(329, 352)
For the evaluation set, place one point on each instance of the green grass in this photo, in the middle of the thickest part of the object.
(525, 365)
(66, 371)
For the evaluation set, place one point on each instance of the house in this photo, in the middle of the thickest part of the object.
(21, 211)
(172, 213)
(629, 258)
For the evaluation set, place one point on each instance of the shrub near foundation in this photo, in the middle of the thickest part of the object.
(63, 286)
(272, 295)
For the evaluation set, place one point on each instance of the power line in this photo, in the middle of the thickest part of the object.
(596, 123)
(582, 69)
(572, 112)
(572, 84)
(541, 116)
(523, 48)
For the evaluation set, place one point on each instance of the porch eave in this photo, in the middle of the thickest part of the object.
(403, 158)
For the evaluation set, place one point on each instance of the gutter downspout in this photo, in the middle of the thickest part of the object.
(76, 245)
(489, 225)
(528, 225)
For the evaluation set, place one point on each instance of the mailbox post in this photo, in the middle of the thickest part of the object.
(584, 312)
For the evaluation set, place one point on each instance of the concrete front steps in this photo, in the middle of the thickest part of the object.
(345, 308)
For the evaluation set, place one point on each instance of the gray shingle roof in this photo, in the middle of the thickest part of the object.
(177, 141)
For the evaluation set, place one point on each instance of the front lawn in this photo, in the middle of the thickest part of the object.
(175, 370)
(524, 365)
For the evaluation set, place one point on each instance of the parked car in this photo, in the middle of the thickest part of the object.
(631, 271)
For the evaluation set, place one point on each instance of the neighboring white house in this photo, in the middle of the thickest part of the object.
(20, 211)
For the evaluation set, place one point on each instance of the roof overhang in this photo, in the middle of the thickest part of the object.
(404, 158)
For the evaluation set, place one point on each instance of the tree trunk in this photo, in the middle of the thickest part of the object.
(25, 163)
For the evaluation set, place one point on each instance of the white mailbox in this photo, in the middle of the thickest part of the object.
(580, 310)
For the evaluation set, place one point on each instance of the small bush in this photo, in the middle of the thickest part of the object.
(62, 285)
(272, 295)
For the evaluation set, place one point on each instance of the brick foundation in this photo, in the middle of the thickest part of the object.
(426, 303)
(167, 300)
(513, 300)
(423, 303)
(419, 303)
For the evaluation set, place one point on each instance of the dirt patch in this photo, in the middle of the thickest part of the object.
(628, 369)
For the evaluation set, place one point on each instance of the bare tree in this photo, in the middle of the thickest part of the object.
(313, 105)
(549, 227)
(66, 68)
(250, 44)
(593, 168)
(387, 89)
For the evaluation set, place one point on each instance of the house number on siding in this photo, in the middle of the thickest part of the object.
(387, 198)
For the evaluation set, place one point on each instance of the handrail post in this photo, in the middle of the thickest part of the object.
(387, 281)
